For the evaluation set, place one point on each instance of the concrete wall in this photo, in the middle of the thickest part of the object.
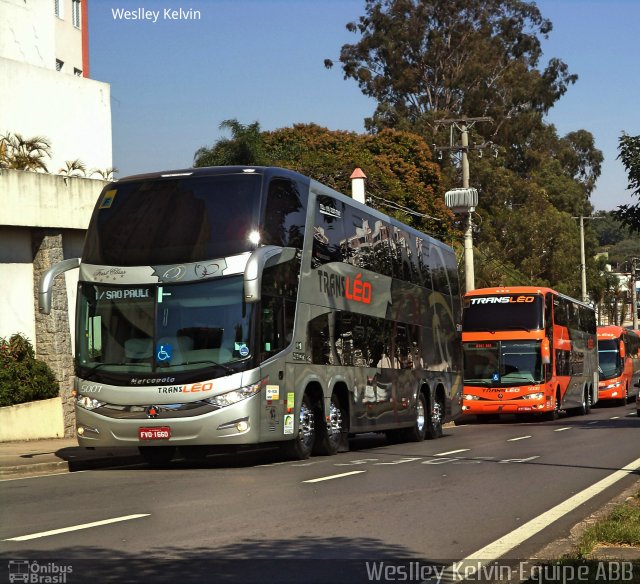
(27, 32)
(32, 421)
(73, 113)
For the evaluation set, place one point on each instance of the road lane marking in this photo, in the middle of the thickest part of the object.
(77, 527)
(563, 429)
(452, 452)
(615, 418)
(518, 438)
(500, 547)
(338, 476)
(399, 461)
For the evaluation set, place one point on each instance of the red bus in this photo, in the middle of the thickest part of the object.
(527, 350)
(618, 363)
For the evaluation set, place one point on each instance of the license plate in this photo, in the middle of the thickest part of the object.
(157, 433)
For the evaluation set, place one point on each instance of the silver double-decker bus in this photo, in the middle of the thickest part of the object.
(232, 306)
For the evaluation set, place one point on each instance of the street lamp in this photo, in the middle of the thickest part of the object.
(462, 201)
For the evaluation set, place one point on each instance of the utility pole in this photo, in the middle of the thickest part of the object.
(464, 200)
(583, 261)
(634, 295)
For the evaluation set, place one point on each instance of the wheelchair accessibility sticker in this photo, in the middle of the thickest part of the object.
(164, 353)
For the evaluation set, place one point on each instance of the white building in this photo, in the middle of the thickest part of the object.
(45, 90)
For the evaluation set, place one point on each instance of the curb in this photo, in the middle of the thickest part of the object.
(66, 466)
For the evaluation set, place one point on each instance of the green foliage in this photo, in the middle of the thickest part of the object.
(400, 171)
(23, 378)
(629, 148)
(19, 153)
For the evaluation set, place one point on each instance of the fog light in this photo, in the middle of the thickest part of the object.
(242, 426)
(80, 431)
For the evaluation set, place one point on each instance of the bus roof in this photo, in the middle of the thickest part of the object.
(612, 331)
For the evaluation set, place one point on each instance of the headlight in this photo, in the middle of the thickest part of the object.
(89, 403)
(538, 395)
(469, 397)
(611, 385)
(234, 396)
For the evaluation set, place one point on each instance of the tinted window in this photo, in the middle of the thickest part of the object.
(503, 312)
(285, 214)
(329, 242)
(171, 221)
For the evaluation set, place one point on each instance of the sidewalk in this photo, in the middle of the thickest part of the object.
(36, 457)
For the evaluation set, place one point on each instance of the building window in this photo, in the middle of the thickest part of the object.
(75, 8)
(59, 65)
(77, 72)
(57, 8)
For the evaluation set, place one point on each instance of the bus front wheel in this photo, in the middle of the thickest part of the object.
(301, 446)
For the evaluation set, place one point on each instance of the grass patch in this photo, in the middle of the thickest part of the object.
(620, 527)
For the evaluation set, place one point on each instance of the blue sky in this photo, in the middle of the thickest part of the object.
(174, 81)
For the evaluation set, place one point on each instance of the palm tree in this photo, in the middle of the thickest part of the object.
(244, 147)
(104, 173)
(73, 168)
(19, 153)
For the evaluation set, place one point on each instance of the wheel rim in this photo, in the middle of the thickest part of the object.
(420, 418)
(306, 428)
(436, 413)
(335, 422)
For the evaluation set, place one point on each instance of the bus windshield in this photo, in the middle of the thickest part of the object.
(503, 312)
(609, 361)
(167, 329)
(502, 362)
(173, 220)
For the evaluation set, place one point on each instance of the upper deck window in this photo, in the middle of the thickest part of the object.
(174, 220)
(503, 312)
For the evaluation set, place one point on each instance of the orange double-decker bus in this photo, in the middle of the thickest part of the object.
(618, 363)
(528, 350)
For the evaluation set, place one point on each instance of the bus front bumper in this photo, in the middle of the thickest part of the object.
(237, 424)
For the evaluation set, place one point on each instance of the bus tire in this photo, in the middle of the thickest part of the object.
(332, 437)
(584, 408)
(157, 456)
(301, 447)
(418, 432)
(555, 412)
(435, 418)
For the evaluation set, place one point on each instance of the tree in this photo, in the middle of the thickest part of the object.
(629, 154)
(244, 147)
(423, 60)
(73, 168)
(19, 153)
(402, 179)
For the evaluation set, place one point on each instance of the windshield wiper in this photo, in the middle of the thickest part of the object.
(226, 368)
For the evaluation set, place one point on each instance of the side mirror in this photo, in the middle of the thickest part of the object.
(545, 350)
(46, 282)
(267, 255)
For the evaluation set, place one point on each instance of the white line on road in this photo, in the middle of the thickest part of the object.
(452, 452)
(511, 540)
(518, 438)
(76, 527)
(615, 418)
(562, 429)
(338, 476)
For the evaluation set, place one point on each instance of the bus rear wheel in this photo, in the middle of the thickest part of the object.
(335, 437)
(435, 418)
(301, 446)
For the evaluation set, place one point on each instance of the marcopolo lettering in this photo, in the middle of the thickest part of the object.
(355, 289)
(503, 299)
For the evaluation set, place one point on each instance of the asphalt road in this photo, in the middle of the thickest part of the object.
(482, 492)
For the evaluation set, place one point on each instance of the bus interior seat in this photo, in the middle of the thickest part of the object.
(138, 348)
